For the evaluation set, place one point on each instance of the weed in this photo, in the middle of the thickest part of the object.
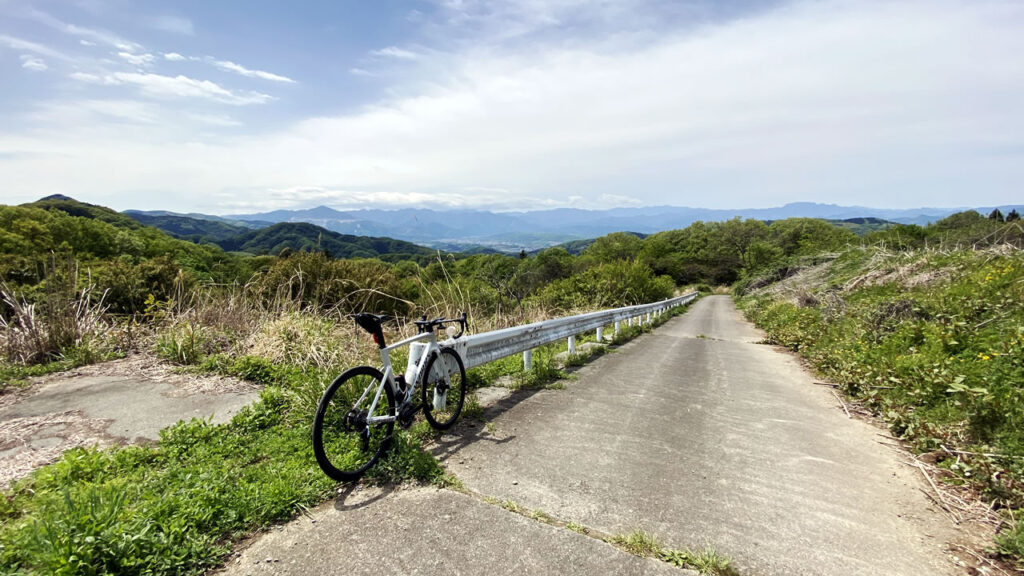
(541, 516)
(187, 343)
(543, 374)
(707, 561)
(638, 543)
(472, 408)
(448, 480)
(510, 506)
(578, 528)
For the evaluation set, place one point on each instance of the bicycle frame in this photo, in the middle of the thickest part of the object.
(417, 353)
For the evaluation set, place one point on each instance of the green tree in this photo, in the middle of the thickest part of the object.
(613, 247)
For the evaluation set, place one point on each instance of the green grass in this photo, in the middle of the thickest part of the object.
(175, 506)
(17, 375)
(638, 543)
(645, 544)
(578, 528)
(14, 375)
(942, 361)
(707, 561)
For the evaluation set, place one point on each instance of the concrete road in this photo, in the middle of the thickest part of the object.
(703, 437)
(430, 531)
(694, 433)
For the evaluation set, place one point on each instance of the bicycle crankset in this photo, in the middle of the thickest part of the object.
(408, 413)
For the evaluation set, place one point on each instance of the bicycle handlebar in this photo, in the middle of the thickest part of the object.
(425, 325)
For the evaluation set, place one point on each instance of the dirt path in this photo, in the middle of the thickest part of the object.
(117, 402)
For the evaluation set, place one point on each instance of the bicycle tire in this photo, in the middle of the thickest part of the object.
(452, 377)
(343, 450)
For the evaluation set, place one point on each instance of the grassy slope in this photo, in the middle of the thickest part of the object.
(931, 341)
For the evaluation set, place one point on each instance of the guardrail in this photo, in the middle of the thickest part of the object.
(478, 349)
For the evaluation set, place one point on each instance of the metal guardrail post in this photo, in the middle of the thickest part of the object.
(600, 334)
(618, 326)
(527, 360)
(572, 345)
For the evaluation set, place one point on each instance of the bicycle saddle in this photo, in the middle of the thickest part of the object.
(369, 322)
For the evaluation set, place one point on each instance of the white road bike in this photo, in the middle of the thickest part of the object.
(356, 416)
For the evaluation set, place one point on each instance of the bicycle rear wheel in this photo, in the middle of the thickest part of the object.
(346, 444)
(444, 388)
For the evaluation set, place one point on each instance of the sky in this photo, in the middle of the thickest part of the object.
(228, 107)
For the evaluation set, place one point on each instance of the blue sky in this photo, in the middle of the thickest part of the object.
(224, 107)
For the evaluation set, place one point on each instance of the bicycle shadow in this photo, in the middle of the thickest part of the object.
(471, 430)
(356, 495)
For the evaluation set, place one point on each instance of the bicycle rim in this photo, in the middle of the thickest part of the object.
(346, 445)
(446, 378)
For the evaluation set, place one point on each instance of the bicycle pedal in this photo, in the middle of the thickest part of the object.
(407, 414)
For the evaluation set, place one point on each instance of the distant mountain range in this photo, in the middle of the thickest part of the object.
(373, 233)
(243, 236)
(511, 231)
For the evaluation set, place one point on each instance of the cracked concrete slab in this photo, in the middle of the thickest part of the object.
(102, 409)
(429, 531)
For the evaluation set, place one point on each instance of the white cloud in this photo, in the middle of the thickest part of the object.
(88, 34)
(835, 101)
(136, 59)
(174, 57)
(86, 43)
(159, 86)
(174, 24)
(36, 48)
(239, 69)
(359, 72)
(86, 112)
(396, 52)
(30, 62)
(216, 120)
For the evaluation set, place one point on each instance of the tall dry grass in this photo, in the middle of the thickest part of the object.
(64, 320)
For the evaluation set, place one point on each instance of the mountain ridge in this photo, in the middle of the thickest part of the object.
(531, 230)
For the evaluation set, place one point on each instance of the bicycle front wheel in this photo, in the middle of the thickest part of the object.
(347, 437)
(444, 388)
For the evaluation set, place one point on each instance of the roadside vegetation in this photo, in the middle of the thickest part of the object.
(924, 327)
